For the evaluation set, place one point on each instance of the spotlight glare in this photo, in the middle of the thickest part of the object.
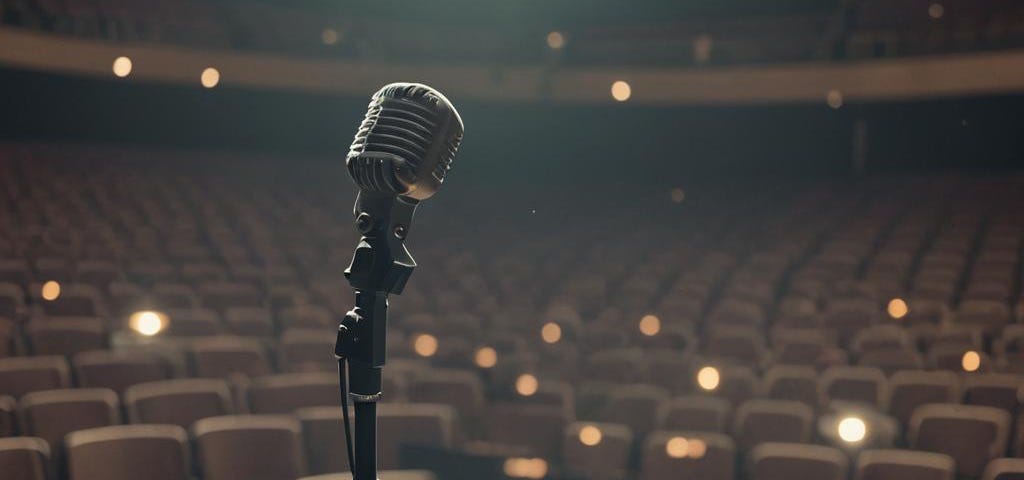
(210, 77)
(51, 290)
(650, 325)
(486, 357)
(122, 66)
(971, 361)
(898, 308)
(708, 378)
(590, 435)
(147, 322)
(621, 91)
(527, 385)
(425, 345)
(852, 429)
(551, 332)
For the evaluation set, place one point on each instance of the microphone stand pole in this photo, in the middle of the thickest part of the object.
(380, 266)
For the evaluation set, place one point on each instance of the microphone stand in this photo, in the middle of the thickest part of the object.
(380, 266)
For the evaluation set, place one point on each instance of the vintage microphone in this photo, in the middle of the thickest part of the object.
(400, 156)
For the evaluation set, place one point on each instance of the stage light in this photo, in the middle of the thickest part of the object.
(708, 378)
(147, 322)
(936, 10)
(852, 429)
(122, 66)
(551, 332)
(486, 357)
(556, 40)
(526, 468)
(210, 77)
(898, 308)
(329, 36)
(834, 98)
(677, 195)
(425, 345)
(621, 91)
(650, 325)
(526, 385)
(971, 361)
(51, 290)
(590, 435)
(677, 447)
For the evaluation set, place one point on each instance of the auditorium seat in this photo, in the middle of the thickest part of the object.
(912, 388)
(76, 300)
(412, 424)
(736, 383)
(303, 350)
(176, 296)
(462, 390)
(129, 452)
(903, 464)
(323, 438)
(787, 461)
(761, 420)
(856, 384)
(52, 414)
(221, 295)
(307, 316)
(384, 475)
(790, 382)
(688, 456)
(12, 299)
(287, 392)
(243, 447)
(635, 406)
(617, 366)
(20, 375)
(24, 458)
(1004, 469)
(972, 435)
(178, 402)
(744, 345)
(249, 321)
(696, 413)
(98, 273)
(118, 370)
(9, 337)
(994, 390)
(535, 428)
(8, 421)
(66, 335)
(193, 322)
(597, 450)
(223, 356)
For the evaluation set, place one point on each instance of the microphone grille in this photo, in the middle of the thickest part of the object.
(418, 125)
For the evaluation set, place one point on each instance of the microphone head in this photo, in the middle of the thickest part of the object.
(406, 143)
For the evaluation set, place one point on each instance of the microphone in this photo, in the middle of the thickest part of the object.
(406, 143)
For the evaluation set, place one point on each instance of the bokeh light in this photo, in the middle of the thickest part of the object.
(971, 361)
(697, 448)
(551, 332)
(486, 357)
(526, 467)
(650, 325)
(590, 435)
(677, 447)
(51, 290)
(834, 98)
(122, 66)
(936, 10)
(852, 429)
(708, 378)
(329, 36)
(677, 195)
(425, 345)
(527, 385)
(147, 322)
(621, 91)
(898, 308)
(556, 40)
(210, 77)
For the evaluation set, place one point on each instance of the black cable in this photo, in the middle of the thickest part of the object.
(344, 416)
